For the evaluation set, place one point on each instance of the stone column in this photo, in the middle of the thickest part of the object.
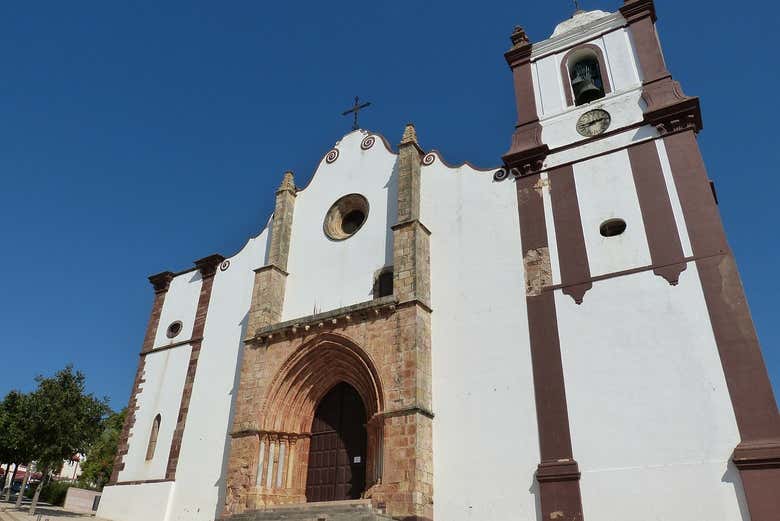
(408, 467)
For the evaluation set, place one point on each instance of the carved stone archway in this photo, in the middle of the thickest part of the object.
(280, 430)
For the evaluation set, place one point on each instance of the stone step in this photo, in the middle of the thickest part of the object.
(355, 510)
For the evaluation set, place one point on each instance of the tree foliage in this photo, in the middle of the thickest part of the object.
(96, 469)
(15, 444)
(63, 419)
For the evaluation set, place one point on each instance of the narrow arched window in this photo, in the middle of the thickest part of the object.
(153, 438)
(586, 80)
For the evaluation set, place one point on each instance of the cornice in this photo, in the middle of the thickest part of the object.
(759, 454)
(584, 33)
(633, 10)
(320, 321)
(208, 265)
(161, 281)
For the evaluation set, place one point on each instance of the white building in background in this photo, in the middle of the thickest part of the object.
(71, 469)
(564, 337)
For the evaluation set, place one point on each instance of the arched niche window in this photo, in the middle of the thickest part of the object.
(153, 438)
(383, 285)
(584, 74)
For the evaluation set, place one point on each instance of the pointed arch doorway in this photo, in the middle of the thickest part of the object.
(337, 452)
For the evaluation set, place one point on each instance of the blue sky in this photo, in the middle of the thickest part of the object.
(138, 137)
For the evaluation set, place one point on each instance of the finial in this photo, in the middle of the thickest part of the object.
(518, 36)
(410, 134)
(577, 9)
(288, 183)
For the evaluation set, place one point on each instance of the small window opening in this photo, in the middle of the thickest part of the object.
(612, 227)
(586, 81)
(174, 329)
(352, 221)
(384, 285)
(153, 438)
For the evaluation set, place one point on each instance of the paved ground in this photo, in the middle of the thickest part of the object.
(8, 512)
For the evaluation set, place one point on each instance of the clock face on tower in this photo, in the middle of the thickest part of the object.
(593, 123)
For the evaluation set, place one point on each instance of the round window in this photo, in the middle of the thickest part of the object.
(174, 329)
(346, 217)
(612, 227)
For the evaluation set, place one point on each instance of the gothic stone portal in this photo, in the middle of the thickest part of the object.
(285, 421)
(337, 451)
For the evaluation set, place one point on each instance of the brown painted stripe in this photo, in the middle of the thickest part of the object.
(557, 474)
(208, 268)
(663, 238)
(755, 409)
(160, 282)
(572, 255)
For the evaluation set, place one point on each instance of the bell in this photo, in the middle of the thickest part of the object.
(586, 91)
(586, 82)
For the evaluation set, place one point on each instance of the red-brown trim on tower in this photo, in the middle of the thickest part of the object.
(668, 108)
(657, 215)
(160, 282)
(572, 255)
(758, 455)
(208, 268)
(566, 76)
(527, 152)
(558, 474)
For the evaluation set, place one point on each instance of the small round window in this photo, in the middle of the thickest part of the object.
(612, 227)
(174, 329)
(346, 217)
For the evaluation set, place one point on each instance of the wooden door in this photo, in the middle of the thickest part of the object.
(337, 452)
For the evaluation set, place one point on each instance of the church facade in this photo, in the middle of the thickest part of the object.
(563, 337)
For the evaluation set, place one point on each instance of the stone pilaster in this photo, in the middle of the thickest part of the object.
(527, 152)
(411, 249)
(411, 463)
(668, 108)
(268, 293)
(282, 225)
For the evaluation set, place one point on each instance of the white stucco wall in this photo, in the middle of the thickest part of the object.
(147, 502)
(485, 445)
(164, 372)
(327, 274)
(606, 190)
(651, 420)
(621, 71)
(202, 462)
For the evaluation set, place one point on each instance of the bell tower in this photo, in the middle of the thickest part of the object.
(616, 211)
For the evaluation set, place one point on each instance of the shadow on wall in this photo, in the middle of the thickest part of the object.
(534, 490)
(732, 476)
(392, 212)
(221, 482)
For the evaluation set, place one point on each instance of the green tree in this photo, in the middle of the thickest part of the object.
(96, 469)
(15, 445)
(63, 420)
